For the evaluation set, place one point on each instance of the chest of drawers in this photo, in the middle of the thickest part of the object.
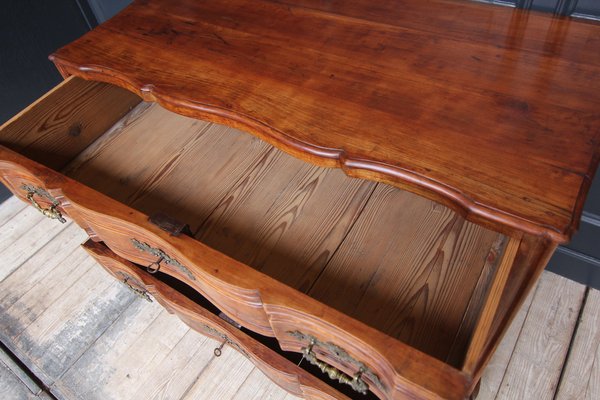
(374, 188)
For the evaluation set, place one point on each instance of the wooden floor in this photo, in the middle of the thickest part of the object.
(83, 335)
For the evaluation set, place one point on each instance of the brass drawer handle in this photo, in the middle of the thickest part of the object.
(142, 293)
(355, 381)
(50, 212)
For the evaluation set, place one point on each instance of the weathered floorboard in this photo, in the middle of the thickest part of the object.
(31, 230)
(221, 378)
(10, 207)
(495, 370)
(535, 365)
(15, 384)
(581, 377)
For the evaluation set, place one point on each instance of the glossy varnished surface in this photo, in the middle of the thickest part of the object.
(489, 110)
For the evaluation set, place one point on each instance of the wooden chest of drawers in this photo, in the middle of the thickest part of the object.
(475, 139)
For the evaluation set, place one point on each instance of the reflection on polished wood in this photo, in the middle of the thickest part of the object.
(490, 110)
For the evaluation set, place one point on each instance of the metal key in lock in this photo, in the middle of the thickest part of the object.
(217, 351)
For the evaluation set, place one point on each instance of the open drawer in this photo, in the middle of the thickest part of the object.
(384, 290)
(209, 321)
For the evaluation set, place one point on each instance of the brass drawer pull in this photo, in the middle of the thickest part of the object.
(50, 212)
(142, 293)
(356, 381)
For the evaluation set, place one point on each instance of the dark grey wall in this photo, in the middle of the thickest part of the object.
(576, 8)
(105, 9)
(580, 259)
(30, 31)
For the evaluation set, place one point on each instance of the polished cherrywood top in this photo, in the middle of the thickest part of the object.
(493, 111)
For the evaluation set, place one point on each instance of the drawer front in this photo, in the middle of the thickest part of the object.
(345, 349)
(287, 375)
(25, 185)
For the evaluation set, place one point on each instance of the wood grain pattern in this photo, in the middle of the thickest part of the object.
(286, 218)
(490, 307)
(408, 268)
(62, 123)
(250, 297)
(386, 94)
(581, 376)
(9, 208)
(32, 231)
(458, 350)
(529, 262)
(194, 164)
(283, 372)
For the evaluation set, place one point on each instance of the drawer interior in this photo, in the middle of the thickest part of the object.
(402, 264)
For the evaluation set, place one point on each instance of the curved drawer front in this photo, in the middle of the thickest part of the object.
(143, 246)
(344, 348)
(24, 184)
(281, 371)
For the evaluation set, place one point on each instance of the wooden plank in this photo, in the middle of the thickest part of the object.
(9, 208)
(536, 363)
(63, 122)
(111, 167)
(194, 163)
(174, 375)
(581, 376)
(34, 300)
(11, 387)
(145, 351)
(41, 266)
(458, 350)
(205, 175)
(63, 331)
(286, 218)
(23, 235)
(221, 378)
(490, 308)
(10, 367)
(258, 387)
(400, 265)
(494, 373)
(394, 108)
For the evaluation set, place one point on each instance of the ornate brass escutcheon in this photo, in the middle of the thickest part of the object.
(356, 381)
(226, 340)
(50, 212)
(162, 257)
